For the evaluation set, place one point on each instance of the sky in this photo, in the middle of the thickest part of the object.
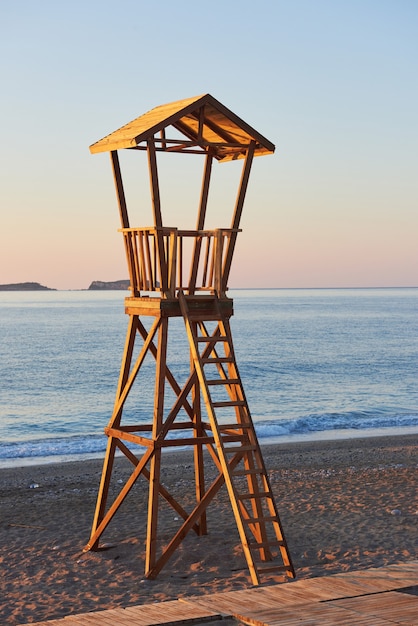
(333, 84)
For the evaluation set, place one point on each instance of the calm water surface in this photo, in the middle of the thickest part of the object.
(319, 363)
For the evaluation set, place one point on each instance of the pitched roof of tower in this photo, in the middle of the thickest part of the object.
(201, 124)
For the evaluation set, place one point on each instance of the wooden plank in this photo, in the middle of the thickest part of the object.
(319, 589)
(174, 610)
(391, 605)
(309, 614)
(276, 604)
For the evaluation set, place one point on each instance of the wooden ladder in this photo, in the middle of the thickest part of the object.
(238, 450)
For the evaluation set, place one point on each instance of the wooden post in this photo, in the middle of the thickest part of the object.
(200, 223)
(120, 193)
(155, 465)
(237, 214)
(198, 448)
(156, 204)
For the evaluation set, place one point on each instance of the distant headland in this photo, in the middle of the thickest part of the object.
(96, 285)
(25, 287)
(116, 284)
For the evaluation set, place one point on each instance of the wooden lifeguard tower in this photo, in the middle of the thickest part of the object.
(184, 273)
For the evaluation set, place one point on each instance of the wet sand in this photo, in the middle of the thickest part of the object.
(344, 505)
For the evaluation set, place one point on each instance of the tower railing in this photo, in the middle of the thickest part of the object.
(168, 259)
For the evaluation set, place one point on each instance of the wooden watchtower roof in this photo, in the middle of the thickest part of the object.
(203, 125)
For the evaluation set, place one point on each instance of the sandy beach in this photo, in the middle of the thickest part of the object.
(344, 505)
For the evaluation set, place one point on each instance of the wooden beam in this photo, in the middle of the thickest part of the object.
(199, 466)
(155, 465)
(121, 497)
(237, 214)
(120, 193)
(102, 494)
(155, 190)
(158, 221)
(204, 194)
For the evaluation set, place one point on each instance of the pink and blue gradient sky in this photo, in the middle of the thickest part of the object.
(333, 84)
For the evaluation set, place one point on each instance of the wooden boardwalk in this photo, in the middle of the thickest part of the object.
(376, 597)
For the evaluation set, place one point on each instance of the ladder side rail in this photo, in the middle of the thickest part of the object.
(219, 443)
(236, 392)
(262, 515)
(199, 466)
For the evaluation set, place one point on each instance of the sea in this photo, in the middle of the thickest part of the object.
(315, 364)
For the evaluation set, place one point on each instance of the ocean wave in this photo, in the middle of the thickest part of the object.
(318, 423)
(272, 429)
(53, 447)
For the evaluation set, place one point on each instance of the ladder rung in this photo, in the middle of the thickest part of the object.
(212, 339)
(225, 403)
(274, 568)
(248, 472)
(235, 426)
(255, 496)
(258, 545)
(258, 520)
(224, 381)
(219, 359)
(233, 449)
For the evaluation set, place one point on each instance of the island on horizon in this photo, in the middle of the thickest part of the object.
(96, 285)
(29, 286)
(108, 286)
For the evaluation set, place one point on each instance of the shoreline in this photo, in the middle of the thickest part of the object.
(284, 440)
(173, 455)
(344, 505)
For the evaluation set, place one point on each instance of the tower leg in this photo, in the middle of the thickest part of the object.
(111, 445)
(155, 465)
(198, 450)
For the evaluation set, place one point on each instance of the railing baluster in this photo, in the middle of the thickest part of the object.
(180, 263)
(217, 261)
(211, 257)
(142, 274)
(172, 262)
(153, 252)
(206, 261)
